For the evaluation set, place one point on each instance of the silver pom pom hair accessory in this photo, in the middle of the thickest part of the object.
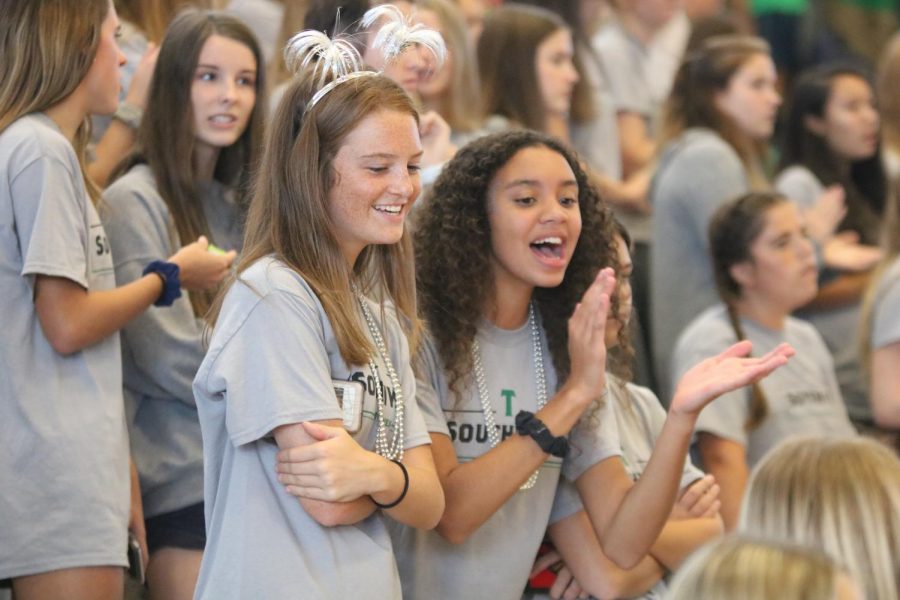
(339, 60)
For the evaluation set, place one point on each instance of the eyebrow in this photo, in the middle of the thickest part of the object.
(535, 183)
(389, 155)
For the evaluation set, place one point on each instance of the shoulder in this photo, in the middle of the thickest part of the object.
(610, 38)
(799, 184)
(702, 148)
(269, 275)
(711, 330)
(135, 187)
(34, 137)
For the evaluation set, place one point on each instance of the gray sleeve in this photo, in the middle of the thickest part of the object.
(49, 212)
(885, 325)
(799, 185)
(725, 416)
(566, 503)
(623, 74)
(164, 344)
(593, 439)
(429, 381)
(710, 174)
(274, 367)
(655, 419)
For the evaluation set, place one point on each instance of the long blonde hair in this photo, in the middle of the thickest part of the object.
(841, 495)
(288, 216)
(48, 47)
(743, 568)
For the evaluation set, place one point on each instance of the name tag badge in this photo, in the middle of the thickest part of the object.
(350, 396)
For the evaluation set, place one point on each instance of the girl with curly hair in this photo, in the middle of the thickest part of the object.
(508, 249)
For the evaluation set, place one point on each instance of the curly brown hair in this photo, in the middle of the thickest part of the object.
(452, 244)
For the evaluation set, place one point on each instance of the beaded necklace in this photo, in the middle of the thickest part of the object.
(540, 383)
(390, 449)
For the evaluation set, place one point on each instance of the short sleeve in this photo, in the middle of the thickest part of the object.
(799, 185)
(49, 202)
(593, 439)
(273, 367)
(430, 379)
(726, 415)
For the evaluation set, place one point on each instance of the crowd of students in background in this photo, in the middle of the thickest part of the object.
(449, 299)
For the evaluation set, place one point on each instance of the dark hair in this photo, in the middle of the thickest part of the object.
(453, 251)
(732, 230)
(866, 184)
(166, 139)
(507, 52)
(585, 59)
(704, 73)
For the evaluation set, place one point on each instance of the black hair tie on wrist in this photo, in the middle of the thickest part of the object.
(402, 494)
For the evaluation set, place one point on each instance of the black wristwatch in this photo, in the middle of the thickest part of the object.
(530, 425)
(170, 275)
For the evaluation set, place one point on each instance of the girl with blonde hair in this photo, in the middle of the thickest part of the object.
(62, 421)
(311, 343)
(840, 495)
(743, 568)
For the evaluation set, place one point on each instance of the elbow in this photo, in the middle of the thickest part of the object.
(332, 514)
(624, 558)
(453, 533)
(608, 585)
(64, 339)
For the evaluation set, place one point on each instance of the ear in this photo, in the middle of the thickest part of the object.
(815, 124)
(743, 273)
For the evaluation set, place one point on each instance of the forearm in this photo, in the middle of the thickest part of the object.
(115, 145)
(680, 537)
(332, 514)
(73, 318)
(577, 544)
(630, 531)
(476, 489)
(732, 480)
(423, 503)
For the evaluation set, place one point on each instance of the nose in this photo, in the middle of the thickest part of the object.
(404, 184)
(228, 91)
(572, 73)
(553, 212)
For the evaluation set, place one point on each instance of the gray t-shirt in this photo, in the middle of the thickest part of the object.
(162, 349)
(803, 396)
(697, 173)
(496, 559)
(63, 442)
(271, 362)
(839, 326)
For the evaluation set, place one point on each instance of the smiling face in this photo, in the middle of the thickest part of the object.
(535, 220)
(376, 181)
(750, 99)
(555, 70)
(223, 92)
(101, 83)
(782, 270)
(850, 121)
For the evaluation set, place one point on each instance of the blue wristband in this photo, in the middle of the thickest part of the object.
(169, 273)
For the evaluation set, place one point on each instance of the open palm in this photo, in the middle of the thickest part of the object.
(725, 372)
